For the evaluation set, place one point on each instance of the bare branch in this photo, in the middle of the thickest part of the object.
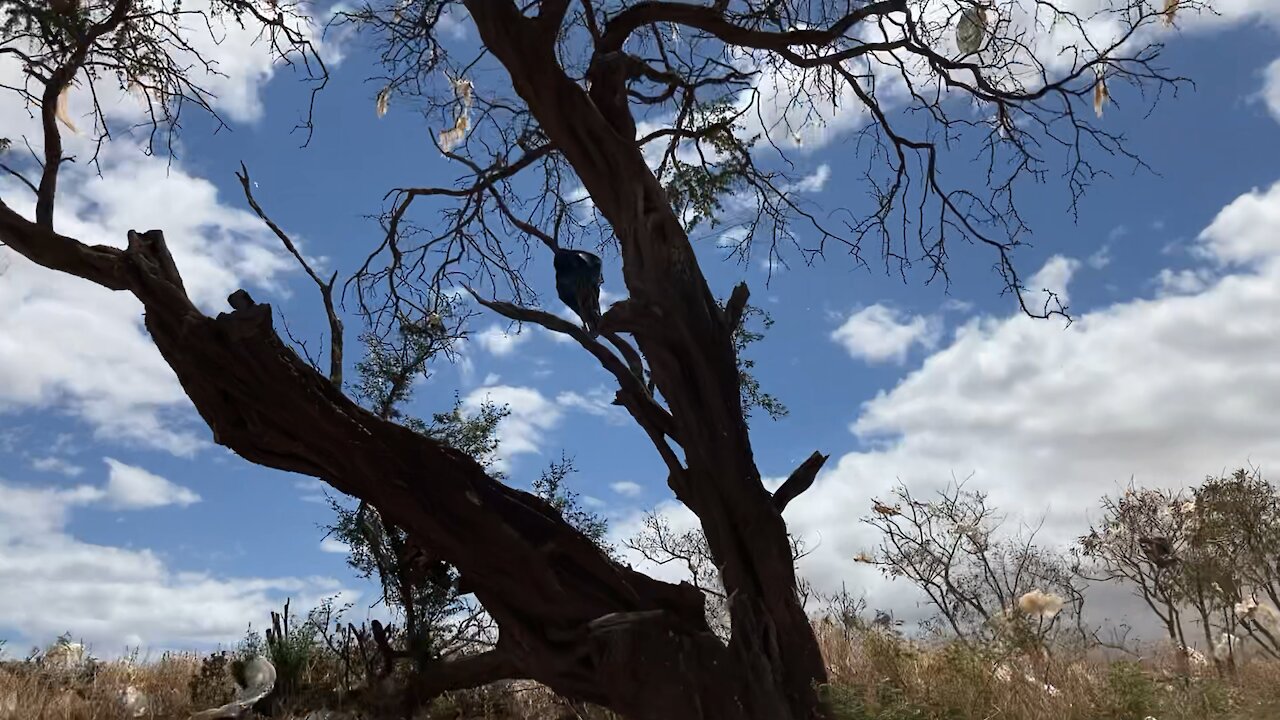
(655, 420)
(325, 286)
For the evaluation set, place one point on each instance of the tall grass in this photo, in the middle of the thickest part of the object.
(873, 676)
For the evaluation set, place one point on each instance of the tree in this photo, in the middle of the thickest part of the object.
(585, 78)
(1206, 554)
(1232, 560)
(987, 586)
(1139, 541)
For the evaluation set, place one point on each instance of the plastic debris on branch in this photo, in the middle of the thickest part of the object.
(449, 139)
(971, 28)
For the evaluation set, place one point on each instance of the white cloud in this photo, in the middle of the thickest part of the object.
(132, 488)
(1101, 258)
(813, 182)
(1053, 277)
(1048, 420)
(333, 545)
(1182, 282)
(598, 402)
(878, 334)
(69, 345)
(1160, 389)
(680, 518)
(56, 464)
(1243, 232)
(52, 582)
(522, 431)
(732, 236)
(313, 491)
(1270, 93)
(626, 488)
(811, 123)
(499, 341)
(954, 305)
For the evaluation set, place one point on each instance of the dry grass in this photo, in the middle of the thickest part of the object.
(877, 677)
(873, 677)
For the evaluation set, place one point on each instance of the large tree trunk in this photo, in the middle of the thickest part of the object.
(687, 339)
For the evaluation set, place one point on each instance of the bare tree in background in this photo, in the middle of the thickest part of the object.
(990, 586)
(653, 108)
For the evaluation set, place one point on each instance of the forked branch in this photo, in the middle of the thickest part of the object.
(655, 420)
(325, 286)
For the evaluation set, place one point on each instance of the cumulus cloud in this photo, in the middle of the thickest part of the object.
(627, 488)
(522, 431)
(813, 182)
(312, 491)
(1047, 420)
(333, 545)
(598, 401)
(1101, 258)
(816, 120)
(1053, 277)
(56, 464)
(1243, 232)
(132, 488)
(1182, 282)
(51, 581)
(879, 334)
(499, 341)
(1270, 93)
(1159, 389)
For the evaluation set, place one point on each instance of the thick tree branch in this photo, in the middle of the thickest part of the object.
(465, 671)
(735, 305)
(100, 264)
(800, 480)
(713, 21)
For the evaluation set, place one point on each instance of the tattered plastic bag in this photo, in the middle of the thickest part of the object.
(1100, 92)
(449, 139)
(971, 28)
(259, 681)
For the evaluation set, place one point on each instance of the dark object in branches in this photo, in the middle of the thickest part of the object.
(579, 275)
(1159, 551)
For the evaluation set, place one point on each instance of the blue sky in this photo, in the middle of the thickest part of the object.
(121, 537)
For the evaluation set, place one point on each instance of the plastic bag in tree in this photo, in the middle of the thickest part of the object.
(61, 112)
(384, 99)
(1100, 92)
(971, 28)
(450, 138)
